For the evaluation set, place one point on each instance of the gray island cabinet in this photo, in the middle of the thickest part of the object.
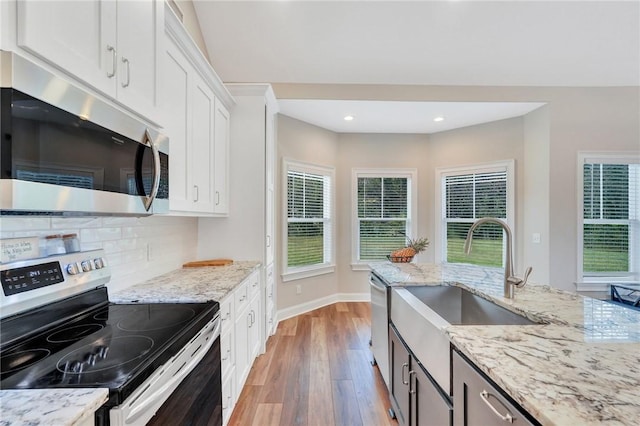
(478, 402)
(416, 397)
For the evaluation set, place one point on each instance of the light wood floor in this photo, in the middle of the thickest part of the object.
(316, 371)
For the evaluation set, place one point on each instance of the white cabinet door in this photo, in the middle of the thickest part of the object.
(175, 106)
(221, 164)
(202, 153)
(255, 324)
(113, 46)
(78, 37)
(139, 36)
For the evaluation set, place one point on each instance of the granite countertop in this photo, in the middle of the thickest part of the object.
(59, 407)
(581, 367)
(188, 285)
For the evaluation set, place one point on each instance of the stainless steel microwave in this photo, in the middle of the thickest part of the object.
(66, 152)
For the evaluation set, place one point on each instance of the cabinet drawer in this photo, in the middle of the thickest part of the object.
(226, 314)
(253, 284)
(228, 398)
(477, 402)
(241, 296)
(227, 353)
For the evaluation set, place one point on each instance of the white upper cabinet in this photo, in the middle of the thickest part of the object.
(221, 159)
(197, 122)
(113, 46)
(202, 153)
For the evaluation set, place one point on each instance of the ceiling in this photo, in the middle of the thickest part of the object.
(429, 42)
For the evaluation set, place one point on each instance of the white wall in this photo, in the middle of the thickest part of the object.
(579, 119)
(302, 142)
(124, 239)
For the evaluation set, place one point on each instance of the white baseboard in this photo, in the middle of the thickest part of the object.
(303, 308)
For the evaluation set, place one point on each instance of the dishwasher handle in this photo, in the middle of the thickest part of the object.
(377, 283)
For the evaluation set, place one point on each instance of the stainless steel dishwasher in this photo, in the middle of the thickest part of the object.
(380, 324)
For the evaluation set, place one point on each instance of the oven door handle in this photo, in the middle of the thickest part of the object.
(161, 395)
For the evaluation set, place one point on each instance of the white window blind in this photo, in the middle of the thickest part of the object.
(383, 215)
(309, 221)
(610, 229)
(468, 196)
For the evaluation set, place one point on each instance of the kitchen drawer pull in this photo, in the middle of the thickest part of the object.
(113, 61)
(506, 418)
(404, 382)
(411, 388)
(126, 62)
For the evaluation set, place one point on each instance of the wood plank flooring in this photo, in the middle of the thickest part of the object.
(316, 372)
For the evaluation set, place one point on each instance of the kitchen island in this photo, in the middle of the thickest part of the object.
(580, 366)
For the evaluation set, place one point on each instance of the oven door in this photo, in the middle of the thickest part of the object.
(185, 390)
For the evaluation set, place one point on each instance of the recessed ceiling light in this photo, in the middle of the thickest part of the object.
(348, 117)
(438, 119)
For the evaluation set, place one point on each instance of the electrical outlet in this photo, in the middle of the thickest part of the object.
(535, 238)
(298, 289)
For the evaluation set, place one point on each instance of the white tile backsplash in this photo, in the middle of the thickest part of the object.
(137, 249)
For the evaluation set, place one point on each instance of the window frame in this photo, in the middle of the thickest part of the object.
(328, 266)
(440, 203)
(601, 281)
(412, 206)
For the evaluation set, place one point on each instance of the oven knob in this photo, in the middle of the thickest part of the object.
(72, 269)
(99, 262)
(86, 265)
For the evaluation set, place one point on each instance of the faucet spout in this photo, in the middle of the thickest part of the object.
(510, 280)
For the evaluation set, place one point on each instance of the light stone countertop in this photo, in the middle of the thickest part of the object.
(58, 407)
(582, 367)
(188, 285)
(54, 407)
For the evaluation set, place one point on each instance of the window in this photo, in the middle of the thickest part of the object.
(309, 228)
(383, 212)
(609, 232)
(468, 194)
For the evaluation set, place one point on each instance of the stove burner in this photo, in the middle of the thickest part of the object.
(102, 356)
(19, 360)
(73, 333)
(156, 317)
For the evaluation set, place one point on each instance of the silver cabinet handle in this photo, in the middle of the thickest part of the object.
(196, 193)
(128, 81)
(412, 389)
(217, 198)
(485, 398)
(226, 357)
(113, 61)
(268, 240)
(404, 382)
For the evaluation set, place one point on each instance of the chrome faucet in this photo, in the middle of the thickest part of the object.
(510, 280)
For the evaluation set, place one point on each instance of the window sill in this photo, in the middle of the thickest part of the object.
(360, 267)
(301, 273)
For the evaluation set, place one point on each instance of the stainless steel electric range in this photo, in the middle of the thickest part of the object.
(58, 330)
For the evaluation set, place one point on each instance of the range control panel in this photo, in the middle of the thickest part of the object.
(29, 282)
(31, 277)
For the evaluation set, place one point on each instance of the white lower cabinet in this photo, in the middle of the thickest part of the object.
(247, 330)
(240, 339)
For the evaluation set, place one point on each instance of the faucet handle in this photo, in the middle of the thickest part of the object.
(520, 282)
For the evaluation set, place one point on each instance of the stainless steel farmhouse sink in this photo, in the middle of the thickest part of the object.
(458, 306)
(421, 313)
